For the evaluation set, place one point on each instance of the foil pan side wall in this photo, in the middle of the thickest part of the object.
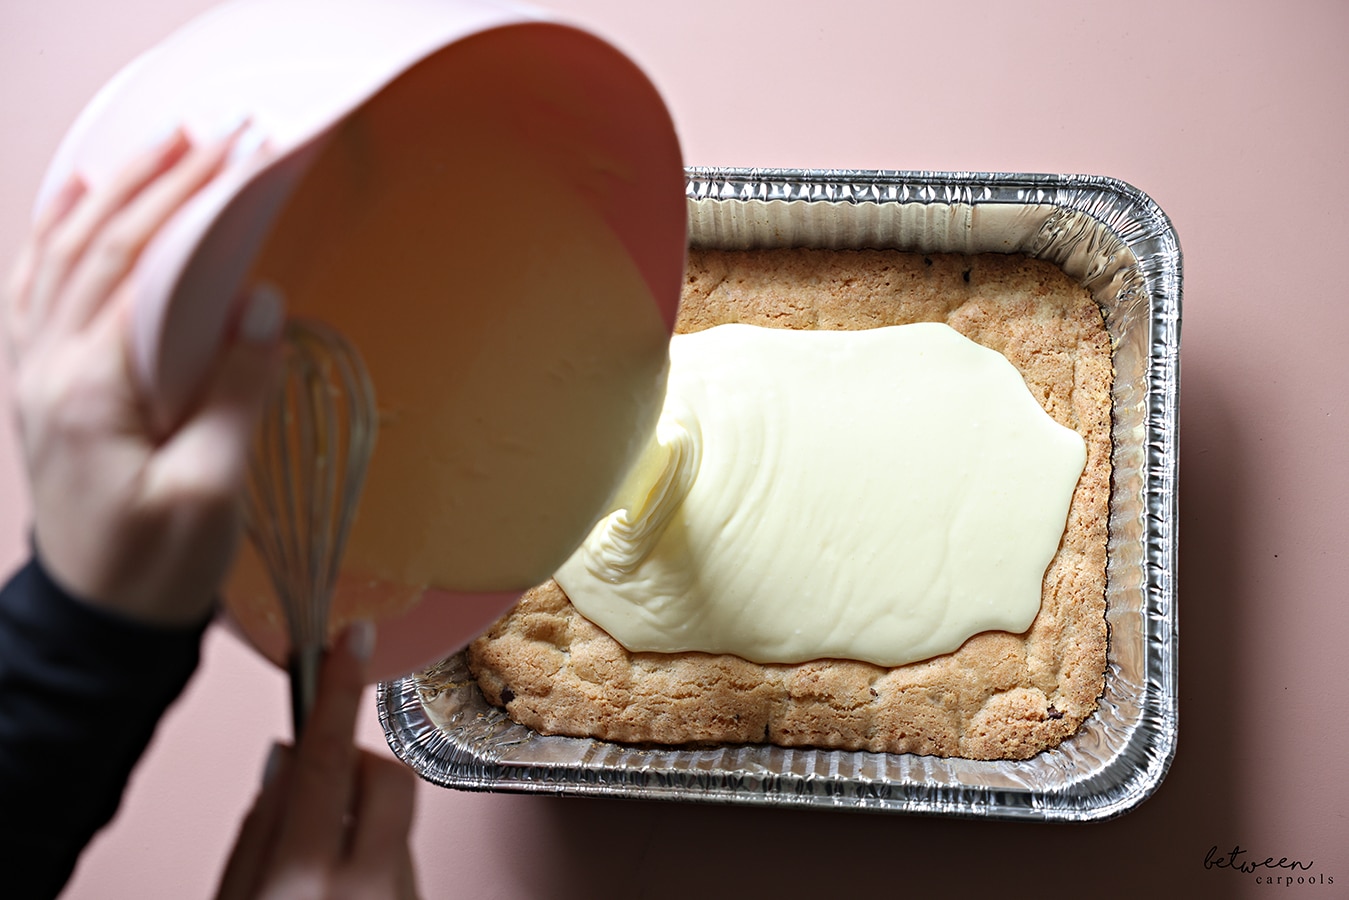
(1119, 245)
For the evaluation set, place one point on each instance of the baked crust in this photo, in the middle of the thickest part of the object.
(1000, 696)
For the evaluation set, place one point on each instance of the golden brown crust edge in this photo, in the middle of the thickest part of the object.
(1000, 696)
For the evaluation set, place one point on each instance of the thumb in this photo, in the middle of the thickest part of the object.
(217, 439)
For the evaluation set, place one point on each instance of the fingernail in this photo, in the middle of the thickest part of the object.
(68, 195)
(361, 640)
(272, 768)
(74, 187)
(226, 131)
(174, 139)
(264, 315)
(247, 143)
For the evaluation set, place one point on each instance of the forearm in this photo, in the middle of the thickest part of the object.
(81, 691)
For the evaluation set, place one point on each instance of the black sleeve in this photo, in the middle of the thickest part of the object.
(81, 690)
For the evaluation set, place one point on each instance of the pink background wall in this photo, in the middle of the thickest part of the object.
(1232, 116)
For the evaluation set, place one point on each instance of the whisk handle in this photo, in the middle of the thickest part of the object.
(304, 681)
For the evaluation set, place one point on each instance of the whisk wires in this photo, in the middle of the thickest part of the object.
(305, 479)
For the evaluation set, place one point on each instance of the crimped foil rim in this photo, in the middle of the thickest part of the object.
(1112, 237)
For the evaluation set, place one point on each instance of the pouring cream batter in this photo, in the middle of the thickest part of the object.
(517, 355)
(878, 495)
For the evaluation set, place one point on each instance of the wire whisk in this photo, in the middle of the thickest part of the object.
(305, 478)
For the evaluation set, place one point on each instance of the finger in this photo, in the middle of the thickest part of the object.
(250, 856)
(59, 206)
(54, 212)
(321, 786)
(18, 288)
(214, 443)
(70, 237)
(114, 250)
(383, 811)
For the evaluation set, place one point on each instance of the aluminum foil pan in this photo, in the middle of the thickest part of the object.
(1116, 242)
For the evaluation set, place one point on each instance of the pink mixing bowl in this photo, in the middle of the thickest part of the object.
(296, 70)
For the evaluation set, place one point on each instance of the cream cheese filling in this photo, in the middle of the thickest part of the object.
(879, 495)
